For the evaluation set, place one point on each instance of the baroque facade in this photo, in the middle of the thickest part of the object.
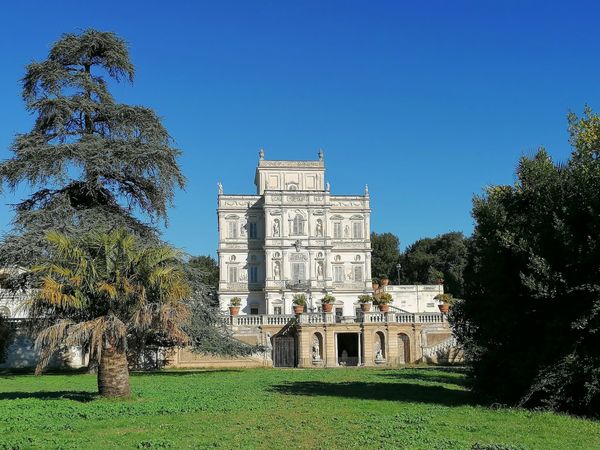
(293, 236)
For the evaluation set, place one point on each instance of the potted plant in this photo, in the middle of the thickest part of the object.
(327, 303)
(384, 280)
(365, 302)
(445, 302)
(383, 300)
(299, 303)
(375, 284)
(234, 306)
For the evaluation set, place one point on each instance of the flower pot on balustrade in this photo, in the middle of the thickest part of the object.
(327, 307)
(298, 309)
(385, 281)
(365, 307)
(384, 307)
(234, 310)
(375, 286)
(444, 308)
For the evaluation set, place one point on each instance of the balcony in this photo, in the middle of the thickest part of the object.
(320, 318)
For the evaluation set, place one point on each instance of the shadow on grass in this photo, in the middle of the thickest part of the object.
(402, 392)
(79, 396)
(432, 377)
(182, 372)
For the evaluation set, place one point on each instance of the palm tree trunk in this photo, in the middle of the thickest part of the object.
(113, 374)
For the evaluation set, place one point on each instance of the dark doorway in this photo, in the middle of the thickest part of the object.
(284, 351)
(348, 349)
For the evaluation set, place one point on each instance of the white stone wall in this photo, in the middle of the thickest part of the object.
(416, 298)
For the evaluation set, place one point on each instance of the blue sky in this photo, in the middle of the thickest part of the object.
(427, 102)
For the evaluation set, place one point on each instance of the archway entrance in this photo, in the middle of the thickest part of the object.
(403, 349)
(348, 349)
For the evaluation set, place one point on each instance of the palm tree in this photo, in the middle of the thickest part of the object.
(97, 291)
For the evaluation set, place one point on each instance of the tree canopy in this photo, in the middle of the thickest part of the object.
(530, 320)
(90, 162)
(431, 259)
(385, 256)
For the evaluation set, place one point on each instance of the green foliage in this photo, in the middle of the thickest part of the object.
(209, 269)
(7, 334)
(445, 298)
(383, 298)
(104, 289)
(208, 334)
(328, 299)
(386, 254)
(235, 301)
(411, 408)
(442, 257)
(365, 298)
(530, 320)
(91, 161)
(299, 299)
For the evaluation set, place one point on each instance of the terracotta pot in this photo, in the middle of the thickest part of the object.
(385, 281)
(327, 307)
(440, 281)
(375, 286)
(384, 307)
(298, 309)
(444, 308)
(365, 307)
(234, 310)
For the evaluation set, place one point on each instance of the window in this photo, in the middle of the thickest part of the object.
(253, 274)
(277, 310)
(298, 225)
(337, 230)
(338, 274)
(233, 274)
(357, 230)
(252, 230)
(232, 229)
(254, 309)
(358, 273)
(298, 272)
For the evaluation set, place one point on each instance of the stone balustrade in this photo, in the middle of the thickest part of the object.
(330, 318)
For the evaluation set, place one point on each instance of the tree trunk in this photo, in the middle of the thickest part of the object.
(113, 374)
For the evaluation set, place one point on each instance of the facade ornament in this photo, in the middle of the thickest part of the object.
(220, 188)
(261, 154)
(320, 269)
(297, 245)
(316, 355)
(347, 231)
(276, 270)
(319, 228)
(276, 228)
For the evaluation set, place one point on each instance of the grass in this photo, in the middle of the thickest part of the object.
(269, 408)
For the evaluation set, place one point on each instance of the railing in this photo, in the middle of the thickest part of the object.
(441, 346)
(321, 318)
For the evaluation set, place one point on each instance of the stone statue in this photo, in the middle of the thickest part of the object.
(276, 270)
(366, 189)
(261, 154)
(276, 228)
(315, 349)
(243, 229)
(320, 154)
(379, 356)
(319, 227)
(327, 187)
(320, 269)
(220, 187)
(347, 231)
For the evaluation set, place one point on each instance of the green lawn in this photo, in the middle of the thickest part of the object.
(270, 408)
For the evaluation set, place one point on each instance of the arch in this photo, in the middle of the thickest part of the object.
(403, 348)
(4, 311)
(317, 347)
(379, 346)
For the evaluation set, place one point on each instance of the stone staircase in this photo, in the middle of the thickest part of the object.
(445, 352)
